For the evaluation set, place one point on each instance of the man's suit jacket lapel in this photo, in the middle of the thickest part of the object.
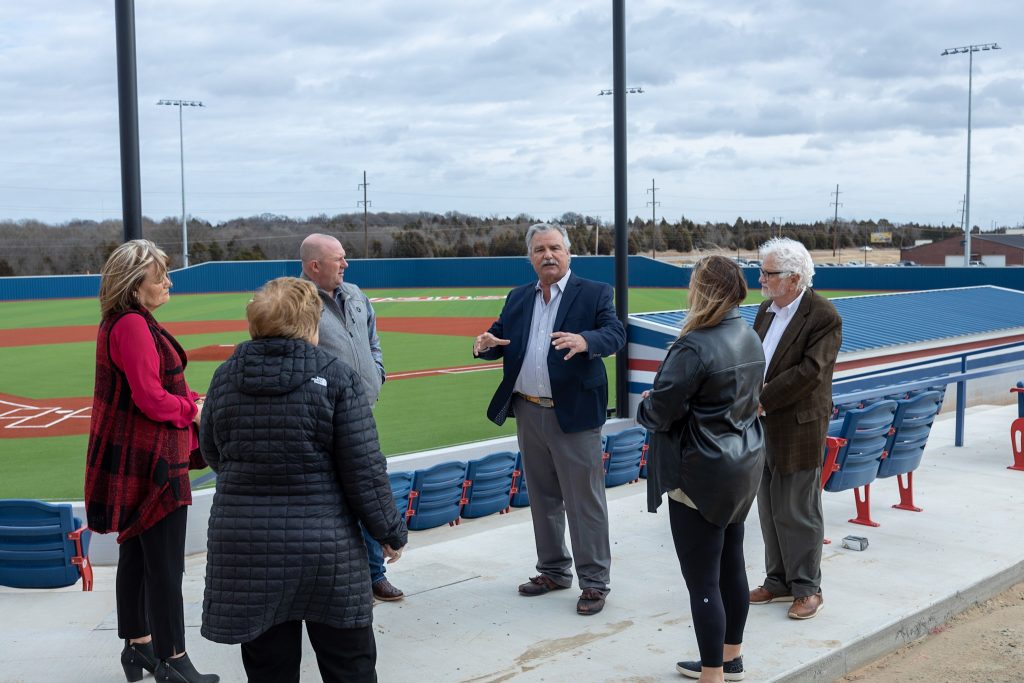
(529, 299)
(572, 288)
(761, 326)
(792, 332)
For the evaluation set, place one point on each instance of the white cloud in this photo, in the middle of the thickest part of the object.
(750, 108)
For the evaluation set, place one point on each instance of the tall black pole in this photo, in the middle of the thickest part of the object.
(128, 117)
(621, 238)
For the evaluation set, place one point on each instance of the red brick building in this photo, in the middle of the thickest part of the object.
(934, 254)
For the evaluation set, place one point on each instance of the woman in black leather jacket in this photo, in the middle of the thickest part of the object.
(707, 452)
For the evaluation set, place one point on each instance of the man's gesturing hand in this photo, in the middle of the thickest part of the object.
(486, 341)
(576, 343)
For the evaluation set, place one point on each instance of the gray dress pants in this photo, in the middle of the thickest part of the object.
(565, 477)
(793, 527)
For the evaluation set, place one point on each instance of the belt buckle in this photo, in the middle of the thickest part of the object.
(542, 401)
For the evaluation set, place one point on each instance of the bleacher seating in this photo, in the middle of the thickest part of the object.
(520, 494)
(911, 426)
(436, 495)
(866, 431)
(488, 485)
(42, 545)
(624, 455)
(401, 485)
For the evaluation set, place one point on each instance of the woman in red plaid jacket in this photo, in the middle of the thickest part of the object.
(143, 429)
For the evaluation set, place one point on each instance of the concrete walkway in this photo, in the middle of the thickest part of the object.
(463, 620)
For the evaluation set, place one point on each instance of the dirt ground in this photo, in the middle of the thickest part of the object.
(985, 643)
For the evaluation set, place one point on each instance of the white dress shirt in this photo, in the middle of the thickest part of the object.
(533, 377)
(783, 316)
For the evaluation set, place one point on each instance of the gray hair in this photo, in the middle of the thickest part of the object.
(792, 257)
(545, 227)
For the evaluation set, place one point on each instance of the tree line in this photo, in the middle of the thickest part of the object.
(31, 247)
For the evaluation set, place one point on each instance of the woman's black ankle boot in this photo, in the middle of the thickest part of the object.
(180, 670)
(135, 657)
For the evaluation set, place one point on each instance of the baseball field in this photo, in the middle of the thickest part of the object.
(436, 394)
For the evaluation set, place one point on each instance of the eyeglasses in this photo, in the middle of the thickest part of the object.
(769, 273)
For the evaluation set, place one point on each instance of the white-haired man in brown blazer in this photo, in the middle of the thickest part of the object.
(801, 333)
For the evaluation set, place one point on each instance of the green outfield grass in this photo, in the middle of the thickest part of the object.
(412, 414)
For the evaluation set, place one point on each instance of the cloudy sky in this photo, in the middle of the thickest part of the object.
(750, 108)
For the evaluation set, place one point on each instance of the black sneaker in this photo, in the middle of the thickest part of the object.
(733, 669)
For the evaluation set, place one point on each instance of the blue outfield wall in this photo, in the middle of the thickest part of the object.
(244, 276)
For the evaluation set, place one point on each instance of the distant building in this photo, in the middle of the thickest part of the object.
(982, 245)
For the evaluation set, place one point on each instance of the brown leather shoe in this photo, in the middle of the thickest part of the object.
(808, 607)
(539, 585)
(762, 596)
(383, 590)
(591, 602)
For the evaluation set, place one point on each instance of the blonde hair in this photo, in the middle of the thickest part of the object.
(717, 286)
(285, 307)
(124, 272)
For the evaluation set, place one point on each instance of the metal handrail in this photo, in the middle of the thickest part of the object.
(959, 378)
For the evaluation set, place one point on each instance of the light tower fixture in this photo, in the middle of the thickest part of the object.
(181, 149)
(969, 50)
(632, 90)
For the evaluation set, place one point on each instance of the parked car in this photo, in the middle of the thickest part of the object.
(976, 263)
(906, 263)
(754, 263)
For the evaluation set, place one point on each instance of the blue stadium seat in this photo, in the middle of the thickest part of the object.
(866, 432)
(520, 494)
(488, 485)
(436, 495)
(624, 455)
(42, 545)
(401, 485)
(910, 429)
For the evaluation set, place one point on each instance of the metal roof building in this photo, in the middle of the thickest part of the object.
(878, 329)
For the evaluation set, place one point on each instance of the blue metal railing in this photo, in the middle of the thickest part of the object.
(955, 368)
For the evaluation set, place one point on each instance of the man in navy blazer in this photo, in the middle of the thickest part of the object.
(552, 335)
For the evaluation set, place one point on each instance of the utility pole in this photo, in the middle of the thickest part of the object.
(778, 221)
(654, 225)
(621, 207)
(835, 220)
(128, 119)
(366, 204)
(963, 206)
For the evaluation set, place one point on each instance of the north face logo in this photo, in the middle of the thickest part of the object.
(319, 380)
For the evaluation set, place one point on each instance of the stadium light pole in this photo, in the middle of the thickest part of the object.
(181, 149)
(969, 50)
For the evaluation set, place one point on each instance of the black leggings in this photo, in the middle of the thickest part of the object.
(712, 562)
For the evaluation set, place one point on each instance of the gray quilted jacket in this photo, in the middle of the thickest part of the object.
(290, 434)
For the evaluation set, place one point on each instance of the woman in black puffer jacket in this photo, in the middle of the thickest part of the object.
(289, 431)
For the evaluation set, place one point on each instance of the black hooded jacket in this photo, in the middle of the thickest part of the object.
(289, 431)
